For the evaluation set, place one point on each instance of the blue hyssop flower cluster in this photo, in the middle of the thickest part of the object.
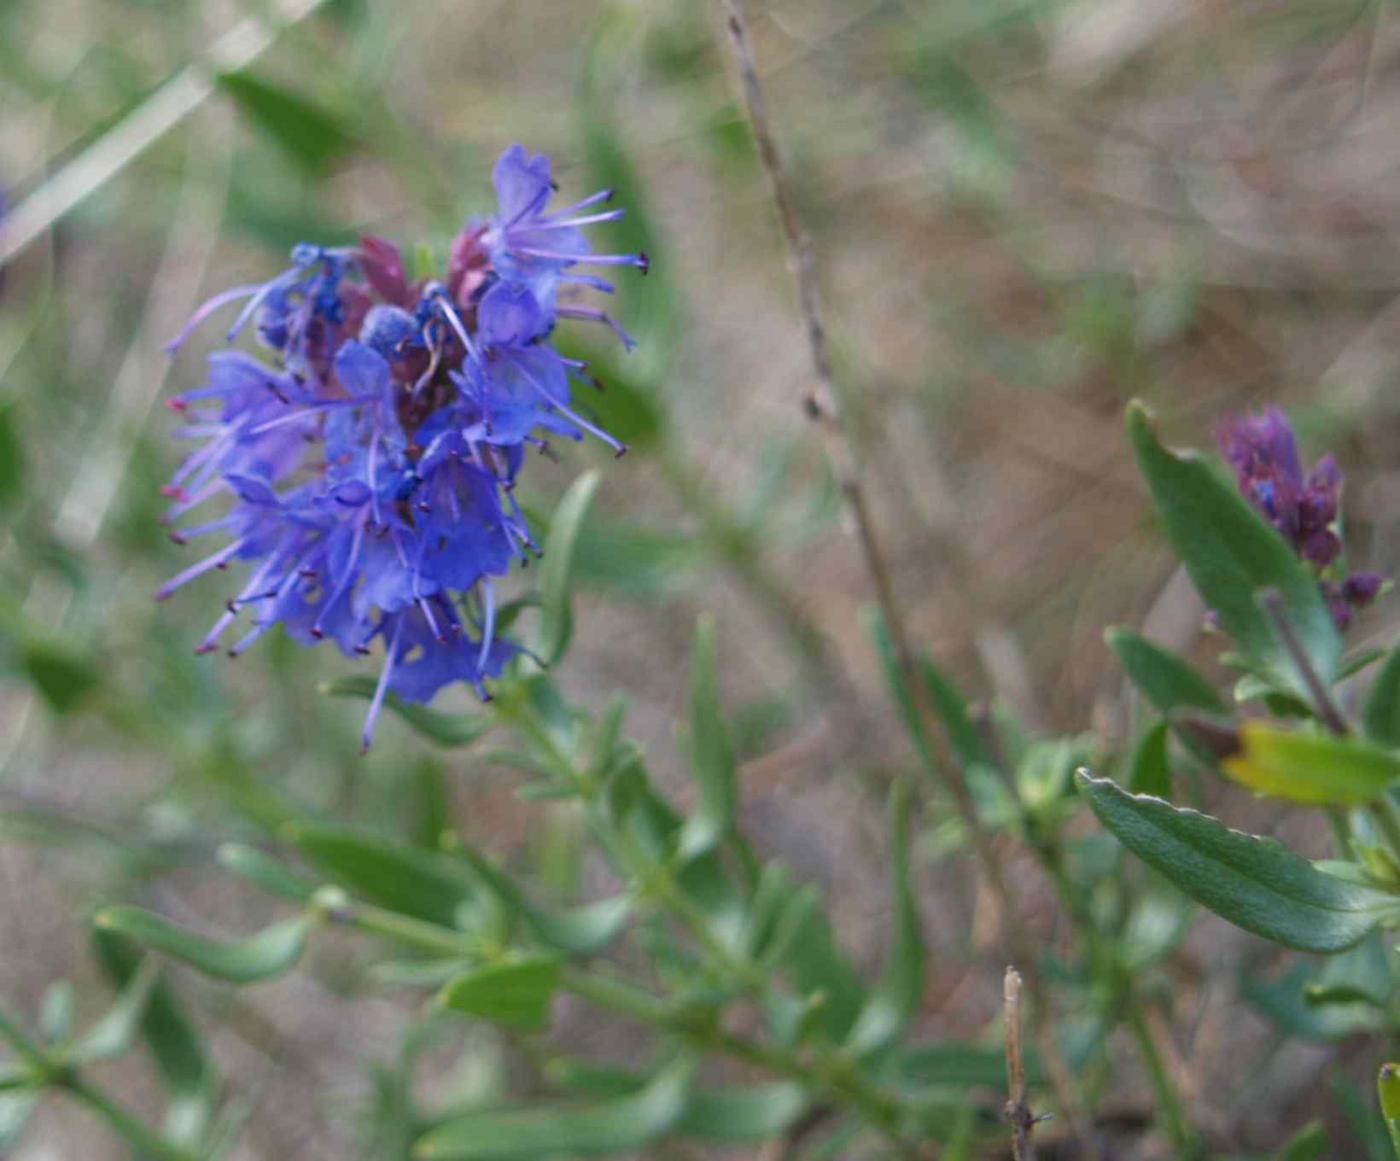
(366, 471)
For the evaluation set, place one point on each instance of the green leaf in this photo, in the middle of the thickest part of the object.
(1150, 771)
(624, 1124)
(1168, 681)
(405, 879)
(442, 729)
(1381, 715)
(755, 1112)
(1232, 554)
(1308, 1144)
(311, 135)
(625, 407)
(650, 307)
(263, 871)
(556, 618)
(711, 754)
(56, 1012)
(1254, 883)
(61, 677)
(947, 1064)
(115, 1031)
(969, 747)
(583, 930)
(186, 1070)
(819, 970)
(1388, 1089)
(894, 1001)
(517, 993)
(11, 456)
(1283, 1001)
(1359, 975)
(270, 953)
(1312, 768)
(174, 1041)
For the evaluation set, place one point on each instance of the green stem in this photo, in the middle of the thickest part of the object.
(133, 1131)
(878, 1108)
(1188, 1145)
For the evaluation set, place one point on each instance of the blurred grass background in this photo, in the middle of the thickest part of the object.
(1024, 213)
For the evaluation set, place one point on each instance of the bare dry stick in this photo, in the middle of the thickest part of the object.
(1017, 1111)
(822, 406)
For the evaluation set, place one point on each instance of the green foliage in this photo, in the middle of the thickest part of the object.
(1233, 555)
(556, 615)
(311, 136)
(1381, 714)
(711, 755)
(1252, 882)
(270, 953)
(516, 993)
(590, 1130)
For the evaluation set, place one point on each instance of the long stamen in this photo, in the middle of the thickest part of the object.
(488, 621)
(382, 688)
(316, 630)
(456, 323)
(199, 569)
(603, 195)
(219, 300)
(553, 223)
(594, 315)
(640, 261)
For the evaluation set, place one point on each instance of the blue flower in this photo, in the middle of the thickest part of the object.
(366, 471)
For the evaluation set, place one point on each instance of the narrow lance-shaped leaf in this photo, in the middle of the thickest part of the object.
(755, 1112)
(556, 618)
(1232, 554)
(442, 729)
(272, 952)
(115, 1031)
(624, 1124)
(1149, 772)
(583, 930)
(711, 755)
(1381, 715)
(264, 871)
(1166, 680)
(1311, 768)
(1308, 1144)
(1388, 1088)
(311, 135)
(517, 994)
(894, 1001)
(185, 1068)
(1254, 883)
(406, 879)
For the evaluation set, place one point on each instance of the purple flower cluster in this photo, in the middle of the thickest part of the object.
(1304, 508)
(366, 471)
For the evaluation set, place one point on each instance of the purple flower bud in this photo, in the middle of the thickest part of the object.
(1264, 453)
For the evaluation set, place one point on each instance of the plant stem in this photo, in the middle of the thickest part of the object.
(1017, 1111)
(1187, 1144)
(877, 1107)
(136, 1134)
(822, 408)
(1272, 602)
